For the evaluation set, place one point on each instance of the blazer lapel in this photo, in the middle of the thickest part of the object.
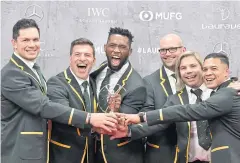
(164, 82)
(74, 86)
(93, 95)
(96, 72)
(183, 96)
(20, 64)
(120, 86)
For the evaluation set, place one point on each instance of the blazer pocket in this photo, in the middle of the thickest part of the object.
(220, 154)
(31, 145)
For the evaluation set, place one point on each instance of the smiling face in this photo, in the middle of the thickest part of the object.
(82, 60)
(191, 72)
(117, 51)
(27, 44)
(171, 42)
(215, 72)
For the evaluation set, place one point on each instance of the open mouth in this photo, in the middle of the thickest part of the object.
(192, 77)
(209, 80)
(115, 61)
(82, 66)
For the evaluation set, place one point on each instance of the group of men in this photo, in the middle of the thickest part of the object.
(72, 117)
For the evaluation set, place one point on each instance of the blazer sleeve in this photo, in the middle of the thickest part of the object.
(142, 130)
(149, 102)
(19, 88)
(56, 91)
(217, 105)
(133, 101)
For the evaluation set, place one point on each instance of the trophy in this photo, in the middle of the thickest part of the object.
(106, 94)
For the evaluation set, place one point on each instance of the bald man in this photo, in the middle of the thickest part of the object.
(161, 146)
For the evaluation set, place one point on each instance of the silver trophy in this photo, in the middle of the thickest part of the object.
(105, 94)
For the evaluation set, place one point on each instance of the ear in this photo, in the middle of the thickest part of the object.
(130, 51)
(184, 49)
(105, 48)
(228, 72)
(94, 60)
(14, 44)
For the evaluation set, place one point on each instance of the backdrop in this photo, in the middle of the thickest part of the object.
(205, 27)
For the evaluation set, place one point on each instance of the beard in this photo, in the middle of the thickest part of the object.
(116, 68)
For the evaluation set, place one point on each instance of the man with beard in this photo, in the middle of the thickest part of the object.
(117, 75)
(161, 145)
(221, 109)
(73, 87)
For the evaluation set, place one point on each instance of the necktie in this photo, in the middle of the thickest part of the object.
(103, 94)
(37, 68)
(174, 76)
(86, 97)
(203, 130)
(212, 93)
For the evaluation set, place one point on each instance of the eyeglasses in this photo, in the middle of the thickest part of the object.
(171, 50)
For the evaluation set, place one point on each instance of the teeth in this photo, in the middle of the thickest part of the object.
(116, 57)
(81, 65)
(209, 79)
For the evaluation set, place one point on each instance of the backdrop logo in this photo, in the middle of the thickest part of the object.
(98, 12)
(222, 47)
(96, 15)
(149, 15)
(224, 12)
(146, 15)
(34, 12)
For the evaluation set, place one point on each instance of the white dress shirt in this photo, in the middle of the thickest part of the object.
(80, 81)
(196, 152)
(171, 79)
(114, 78)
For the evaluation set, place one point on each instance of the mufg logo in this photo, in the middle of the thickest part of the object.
(149, 15)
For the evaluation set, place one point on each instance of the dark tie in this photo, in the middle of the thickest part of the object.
(103, 94)
(212, 93)
(37, 68)
(174, 76)
(86, 97)
(203, 130)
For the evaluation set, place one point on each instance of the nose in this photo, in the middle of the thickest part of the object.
(82, 57)
(116, 49)
(31, 43)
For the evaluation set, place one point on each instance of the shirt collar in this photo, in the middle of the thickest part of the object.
(168, 72)
(27, 62)
(80, 81)
(202, 87)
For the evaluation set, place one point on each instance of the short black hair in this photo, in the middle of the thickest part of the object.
(82, 41)
(23, 24)
(221, 56)
(121, 31)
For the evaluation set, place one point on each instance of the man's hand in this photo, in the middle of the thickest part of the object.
(106, 121)
(102, 131)
(122, 131)
(114, 102)
(126, 119)
(235, 85)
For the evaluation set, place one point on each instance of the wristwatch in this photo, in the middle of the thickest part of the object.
(141, 116)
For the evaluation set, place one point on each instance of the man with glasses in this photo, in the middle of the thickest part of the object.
(160, 147)
(118, 75)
